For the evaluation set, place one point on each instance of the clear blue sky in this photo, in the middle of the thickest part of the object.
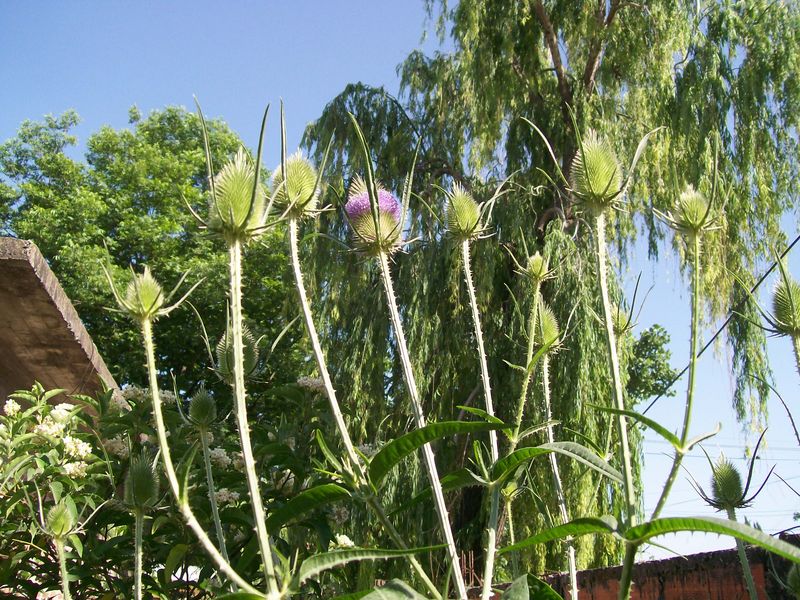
(102, 57)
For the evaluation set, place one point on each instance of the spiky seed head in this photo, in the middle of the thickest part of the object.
(366, 236)
(596, 174)
(300, 191)
(202, 408)
(233, 213)
(537, 269)
(786, 307)
(144, 296)
(547, 330)
(463, 214)
(793, 580)
(620, 320)
(225, 361)
(142, 486)
(691, 215)
(60, 520)
(726, 485)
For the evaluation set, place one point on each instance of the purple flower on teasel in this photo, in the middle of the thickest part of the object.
(359, 204)
(369, 236)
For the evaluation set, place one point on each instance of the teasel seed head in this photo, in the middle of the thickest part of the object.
(537, 269)
(142, 485)
(726, 485)
(786, 307)
(234, 212)
(596, 174)
(202, 408)
(299, 195)
(225, 362)
(368, 238)
(60, 520)
(463, 214)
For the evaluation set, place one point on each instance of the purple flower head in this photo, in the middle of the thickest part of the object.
(359, 205)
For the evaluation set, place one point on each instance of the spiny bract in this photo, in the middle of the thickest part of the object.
(786, 307)
(300, 191)
(596, 174)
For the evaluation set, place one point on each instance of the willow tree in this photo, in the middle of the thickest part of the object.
(718, 75)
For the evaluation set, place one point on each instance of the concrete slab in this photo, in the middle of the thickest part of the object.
(41, 336)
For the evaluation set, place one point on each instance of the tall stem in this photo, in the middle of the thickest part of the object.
(419, 417)
(344, 434)
(62, 566)
(693, 343)
(138, 517)
(560, 496)
(523, 395)
(241, 417)
(796, 346)
(172, 477)
(212, 496)
(740, 549)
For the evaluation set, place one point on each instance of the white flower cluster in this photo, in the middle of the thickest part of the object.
(76, 448)
(339, 514)
(135, 395)
(49, 427)
(75, 469)
(118, 446)
(167, 397)
(312, 384)
(62, 413)
(341, 541)
(219, 458)
(226, 496)
(11, 408)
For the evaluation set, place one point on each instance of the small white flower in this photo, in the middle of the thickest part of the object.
(219, 458)
(341, 541)
(312, 384)
(144, 438)
(117, 446)
(167, 397)
(75, 469)
(11, 408)
(238, 461)
(76, 448)
(63, 412)
(49, 427)
(226, 496)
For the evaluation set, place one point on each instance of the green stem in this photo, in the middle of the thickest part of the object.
(679, 453)
(511, 535)
(169, 467)
(62, 565)
(419, 417)
(241, 418)
(560, 496)
(322, 367)
(212, 493)
(138, 517)
(626, 579)
(796, 346)
(740, 549)
(523, 395)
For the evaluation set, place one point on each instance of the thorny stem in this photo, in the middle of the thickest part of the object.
(511, 536)
(241, 418)
(679, 453)
(169, 467)
(560, 497)
(523, 395)
(138, 517)
(62, 565)
(494, 509)
(419, 417)
(212, 497)
(322, 367)
(796, 346)
(740, 549)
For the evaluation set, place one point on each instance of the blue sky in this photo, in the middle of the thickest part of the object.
(102, 57)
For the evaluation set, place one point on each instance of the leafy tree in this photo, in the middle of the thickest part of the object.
(716, 74)
(127, 195)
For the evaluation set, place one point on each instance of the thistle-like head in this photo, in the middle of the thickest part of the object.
(463, 214)
(596, 174)
(691, 216)
(202, 409)
(786, 306)
(299, 194)
(547, 333)
(375, 229)
(225, 359)
(236, 208)
(144, 299)
(536, 269)
(142, 485)
(61, 520)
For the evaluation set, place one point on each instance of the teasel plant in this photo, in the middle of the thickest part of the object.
(728, 495)
(296, 188)
(376, 221)
(145, 302)
(141, 493)
(785, 317)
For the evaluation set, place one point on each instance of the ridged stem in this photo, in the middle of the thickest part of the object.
(740, 549)
(240, 395)
(62, 567)
(796, 347)
(344, 434)
(169, 467)
(523, 395)
(212, 493)
(560, 496)
(419, 417)
(693, 343)
(138, 517)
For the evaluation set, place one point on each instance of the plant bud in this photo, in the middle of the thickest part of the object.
(596, 174)
(463, 214)
(786, 307)
(726, 485)
(60, 520)
(366, 236)
(300, 190)
(691, 213)
(141, 483)
(547, 331)
(202, 408)
(233, 213)
(144, 296)
(225, 362)
(537, 269)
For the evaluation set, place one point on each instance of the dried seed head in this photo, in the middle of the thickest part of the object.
(463, 214)
(300, 191)
(786, 307)
(202, 408)
(225, 362)
(233, 213)
(60, 520)
(366, 236)
(141, 483)
(726, 485)
(596, 174)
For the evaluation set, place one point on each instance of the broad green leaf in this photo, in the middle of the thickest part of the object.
(647, 421)
(574, 528)
(396, 450)
(479, 412)
(539, 590)
(394, 590)
(316, 564)
(583, 455)
(645, 531)
(174, 557)
(509, 463)
(305, 501)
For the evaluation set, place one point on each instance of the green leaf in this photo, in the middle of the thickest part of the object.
(583, 455)
(396, 450)
(574, 528)
(304, 502)
(316, 564)
(647, 421)
(450, 482)
(394, 590)
(479, 412)
(645, 531)
(518, 590)
(539, 590)
(509, 463)
(174, 557)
